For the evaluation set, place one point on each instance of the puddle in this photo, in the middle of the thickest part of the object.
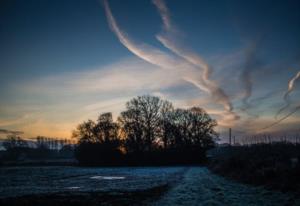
(73, 188)
(108, 177)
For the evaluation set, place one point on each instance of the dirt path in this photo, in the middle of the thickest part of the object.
(200, 187)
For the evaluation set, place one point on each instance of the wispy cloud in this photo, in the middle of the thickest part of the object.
(10, 132)
(246, 78)
(15, 121)
(46, 127)
(185, 66)
(170, 40)
(154, 55)
(291, 86)
(126, 76)
(57, 103)
(144, 51)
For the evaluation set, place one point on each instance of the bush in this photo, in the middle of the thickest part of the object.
(263, 164)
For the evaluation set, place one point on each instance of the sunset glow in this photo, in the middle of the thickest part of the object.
(63, 63)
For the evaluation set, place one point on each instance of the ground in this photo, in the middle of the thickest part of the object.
(127, 186)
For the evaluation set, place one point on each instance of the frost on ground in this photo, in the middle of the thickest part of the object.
(19, 181)
(189, 186)
(200, 187)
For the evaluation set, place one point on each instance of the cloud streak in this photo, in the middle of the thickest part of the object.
(169, 39)
(246, 75)
(116, 79)
(291, 86)
(9, 122)
(76, 96)
(185, 65)
(10, 132)
(153, 55)
(144, 51)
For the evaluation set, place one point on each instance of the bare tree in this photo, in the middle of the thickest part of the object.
(85, 132)
(165, 122)
(141, 122)
(106, 130)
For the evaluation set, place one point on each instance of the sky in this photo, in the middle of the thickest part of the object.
(63, 62)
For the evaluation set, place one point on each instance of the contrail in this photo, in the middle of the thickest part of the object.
(291, 86)
(154, 55)
(169, 40)
(287, 93)
(246, 75)
(145, 52)
(164, 13)
(166, 61)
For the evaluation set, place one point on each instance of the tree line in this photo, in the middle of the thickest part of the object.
(149, 131)
(19, 149)
(42, 142)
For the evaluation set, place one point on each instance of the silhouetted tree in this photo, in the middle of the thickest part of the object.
(166, 127)
(202, 131)
(106, 130)
(132, 130)
(150, 130)
(85, 132)
(191, 127)
(141, 122)
(98, 142)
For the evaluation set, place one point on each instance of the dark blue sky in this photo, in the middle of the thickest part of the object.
(50, 39)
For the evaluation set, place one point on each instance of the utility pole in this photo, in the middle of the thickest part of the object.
(229, 136)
